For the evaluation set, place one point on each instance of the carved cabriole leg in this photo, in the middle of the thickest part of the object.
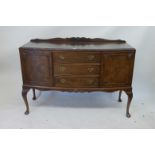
(34, 94)
(130, 96)
(119, 97)
(24, 94)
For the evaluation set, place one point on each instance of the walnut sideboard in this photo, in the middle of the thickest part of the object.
(77, 65)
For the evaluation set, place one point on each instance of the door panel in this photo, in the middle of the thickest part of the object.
(117, 69)
(37, 68)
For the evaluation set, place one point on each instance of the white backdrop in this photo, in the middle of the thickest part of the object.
(141, 38)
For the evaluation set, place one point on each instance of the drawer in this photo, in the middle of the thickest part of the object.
(77, 82)
(76, 57)
(76, 69)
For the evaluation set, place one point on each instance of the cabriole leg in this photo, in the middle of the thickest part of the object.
(130, 96)
(34, 94)
(119, 97)
(24, 94)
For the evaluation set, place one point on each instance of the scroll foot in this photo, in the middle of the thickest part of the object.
(128, 115)
(24, 95)
(26, 112)
(130, 96)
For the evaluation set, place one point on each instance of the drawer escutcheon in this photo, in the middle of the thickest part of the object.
(62, 81)
(62, 69)
(90, 69)
(61, 57)
(90, 81)
(91, 57)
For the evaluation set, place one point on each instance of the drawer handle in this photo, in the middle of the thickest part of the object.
(129, 55)
(62, 69)
(91, 57)
(90, 81)
(61, 57)
(90, 69)
(62, 80)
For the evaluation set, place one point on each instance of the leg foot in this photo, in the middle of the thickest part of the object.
(130, 96)
(34, 94)
(24, 94)
(128, 115)
(119, 97)
(26, 112)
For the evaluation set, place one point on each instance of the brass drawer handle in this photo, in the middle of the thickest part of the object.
(130, 55)
(91, 57)
(61, 57)
(62, 80)
(90, 81)
(62, 69)
(91, 69)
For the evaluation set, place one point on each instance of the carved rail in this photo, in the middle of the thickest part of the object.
(77, 40)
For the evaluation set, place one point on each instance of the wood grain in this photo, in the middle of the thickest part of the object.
(82, 65)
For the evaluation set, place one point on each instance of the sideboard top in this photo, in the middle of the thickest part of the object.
(78, 44)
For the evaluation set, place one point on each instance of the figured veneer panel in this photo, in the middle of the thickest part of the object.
(36, 68)
(117, 69)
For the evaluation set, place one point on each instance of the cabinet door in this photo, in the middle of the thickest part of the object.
(117, 69)
(36, 67)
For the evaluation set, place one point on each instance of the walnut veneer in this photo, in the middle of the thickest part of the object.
(77, 64)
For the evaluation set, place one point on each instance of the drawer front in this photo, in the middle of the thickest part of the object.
(77, 82)
(76, 69)
(76, 57)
